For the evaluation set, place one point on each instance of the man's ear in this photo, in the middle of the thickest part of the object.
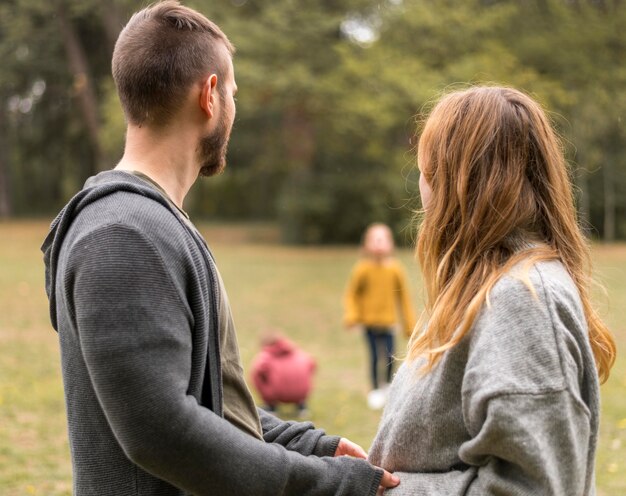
(207, 95)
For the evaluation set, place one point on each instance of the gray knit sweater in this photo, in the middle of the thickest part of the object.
(132, 295)
(512, 410)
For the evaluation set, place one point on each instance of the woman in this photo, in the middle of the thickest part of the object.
(499, 393)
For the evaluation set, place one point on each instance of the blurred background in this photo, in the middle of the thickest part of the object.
(329, 91)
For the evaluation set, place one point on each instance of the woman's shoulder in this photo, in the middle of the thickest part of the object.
(529, 333)
(544, 289)
(544, 285)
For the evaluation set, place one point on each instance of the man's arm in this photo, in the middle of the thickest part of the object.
(305, 439)
(135, 332)
(297, 436)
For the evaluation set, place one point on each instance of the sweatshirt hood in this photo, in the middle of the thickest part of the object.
(280, 347)
(95, 187)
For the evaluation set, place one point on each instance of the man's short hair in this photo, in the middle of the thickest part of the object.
(162, 51)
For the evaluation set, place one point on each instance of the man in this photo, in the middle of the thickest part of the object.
(155, 396)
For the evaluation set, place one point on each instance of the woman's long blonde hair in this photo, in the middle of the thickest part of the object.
(498, 178)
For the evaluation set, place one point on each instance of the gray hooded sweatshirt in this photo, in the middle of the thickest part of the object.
(133, 296)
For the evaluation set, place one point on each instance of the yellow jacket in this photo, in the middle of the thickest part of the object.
(375, 293)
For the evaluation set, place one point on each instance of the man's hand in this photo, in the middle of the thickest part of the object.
(348, 448)
(388, 481)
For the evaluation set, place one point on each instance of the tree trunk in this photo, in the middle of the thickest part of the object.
(83, 84)
(298, 136)
(5, 193)
(584, 208)
(609, 202)
(111, 21)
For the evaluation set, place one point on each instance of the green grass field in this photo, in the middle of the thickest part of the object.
(297, 290)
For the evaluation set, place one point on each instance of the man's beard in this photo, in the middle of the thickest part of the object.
(212, 149)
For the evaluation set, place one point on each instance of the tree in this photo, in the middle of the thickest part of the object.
(56, 58)
(329, 93)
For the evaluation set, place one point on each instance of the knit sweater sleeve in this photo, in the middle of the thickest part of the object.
(517, 450)
(530, 431)
(135, 332)
(297, 436)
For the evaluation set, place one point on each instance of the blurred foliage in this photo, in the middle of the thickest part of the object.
(327, 103)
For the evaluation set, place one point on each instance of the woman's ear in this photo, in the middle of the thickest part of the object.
(207, 95)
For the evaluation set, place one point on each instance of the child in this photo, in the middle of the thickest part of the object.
(377, 289)
(282, 373)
